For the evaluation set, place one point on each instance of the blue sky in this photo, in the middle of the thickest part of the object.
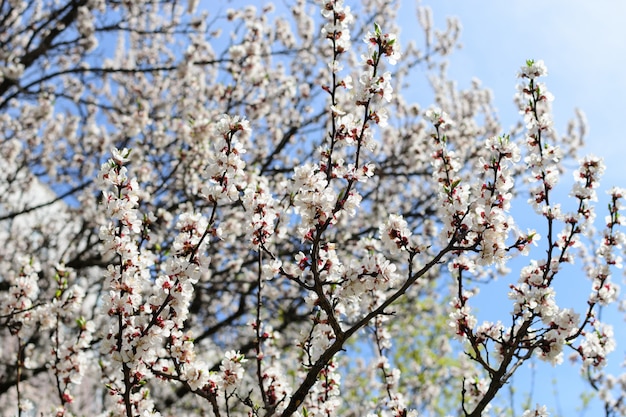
(583, 44)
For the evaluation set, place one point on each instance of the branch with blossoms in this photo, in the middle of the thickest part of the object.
(497, 349)
(19, 313)
(144, 317)
(320, 206)
(599, 340)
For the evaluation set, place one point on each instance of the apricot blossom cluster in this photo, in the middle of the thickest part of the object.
(477, 221)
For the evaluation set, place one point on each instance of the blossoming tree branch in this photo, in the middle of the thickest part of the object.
(239, 213)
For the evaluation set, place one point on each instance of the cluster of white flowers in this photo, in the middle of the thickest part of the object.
(587, 178)
(259, 203)
(454, 194)
(534, 298)
(337, 29)
(542, 157)
(597, 344)
(317, 202)
(561, 327)
(605, 291)
(394, 404)
(365, 282)
(231, 369)
(395, 234)
(313, 199)
(539, 411)
(533, 295)
(495, 332)
(127, 281)
(373, 87)
(21, 297)
(26, 315)
(192, 228)
(347, 128)
(382, 44)
(247, 56)
(533, 69)
(491, 223)
(324, 398)
(474, 389)
(70, 349)
(144, 314)
(321, 335)
(12, 71)
(275, 384)
(224, 169)
(438, 118)
(373, 90)
(461, 317)
(86, 28)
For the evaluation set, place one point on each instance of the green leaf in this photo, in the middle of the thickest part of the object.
(81, 322)
(377, 30)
